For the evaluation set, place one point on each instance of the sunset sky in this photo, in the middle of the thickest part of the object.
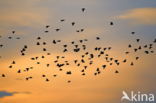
(28, 18)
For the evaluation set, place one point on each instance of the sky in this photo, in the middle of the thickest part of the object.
(28, 19)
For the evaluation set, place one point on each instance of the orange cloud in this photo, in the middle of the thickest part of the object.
(140, 16)
(22, 18)
(22, 13)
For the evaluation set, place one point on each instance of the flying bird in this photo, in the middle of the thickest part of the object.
(83, 9)
(111, 23)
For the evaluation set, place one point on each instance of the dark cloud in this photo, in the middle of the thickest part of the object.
(6, 93)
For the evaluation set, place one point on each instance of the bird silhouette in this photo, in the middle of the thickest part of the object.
(111, 23)
(3, 75)
(73, 23)
(13, 32)
(132, 33)
(62, 20)
(83, 9)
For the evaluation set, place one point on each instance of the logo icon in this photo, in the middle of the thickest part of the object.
(137, 97)
(125, 96)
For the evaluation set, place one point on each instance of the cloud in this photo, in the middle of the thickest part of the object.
(22, 18)
(140, 16)
(22, 13)
(5, 93)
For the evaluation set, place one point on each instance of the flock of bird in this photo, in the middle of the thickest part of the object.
(85, 60)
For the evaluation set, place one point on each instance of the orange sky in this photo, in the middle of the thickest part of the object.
(29, 18)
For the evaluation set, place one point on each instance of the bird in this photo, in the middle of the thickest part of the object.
(44, 43)
(132, 64)
(116, 71)
(97, 38)
(27, 79)
(83, 9)
(19, 71)
(133, 33)
(46, 31)
(10, 66)
(72, 42)
(13, 32)
(48, 65)
(42, 57)
(25, 46)
(57, 30)
(68, 72)
(77, 31)
(38, 38)
(82, 30)
(13, 62)
(109, 48)
(103, 66)
(129, 45)
(137, 40)
(73, 23)
(154, 41)
(147, 52)
(9, 37)
(111, 23)
(58, 40)
(48, 53)
(3, 75)
(47, 26)
(83, 74)
(69, 81)
(47, 80)
(65, 50)
(17, 37)
(38, 43)
(145, 46)
(22, 54)
(62, 20)
(65, 46)
(125, 60)
(44, 49)
(54, 42)
(137, 58)
(54, 75)
(139, 47)
(135, 49)
(1, 45)
(77, 50)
